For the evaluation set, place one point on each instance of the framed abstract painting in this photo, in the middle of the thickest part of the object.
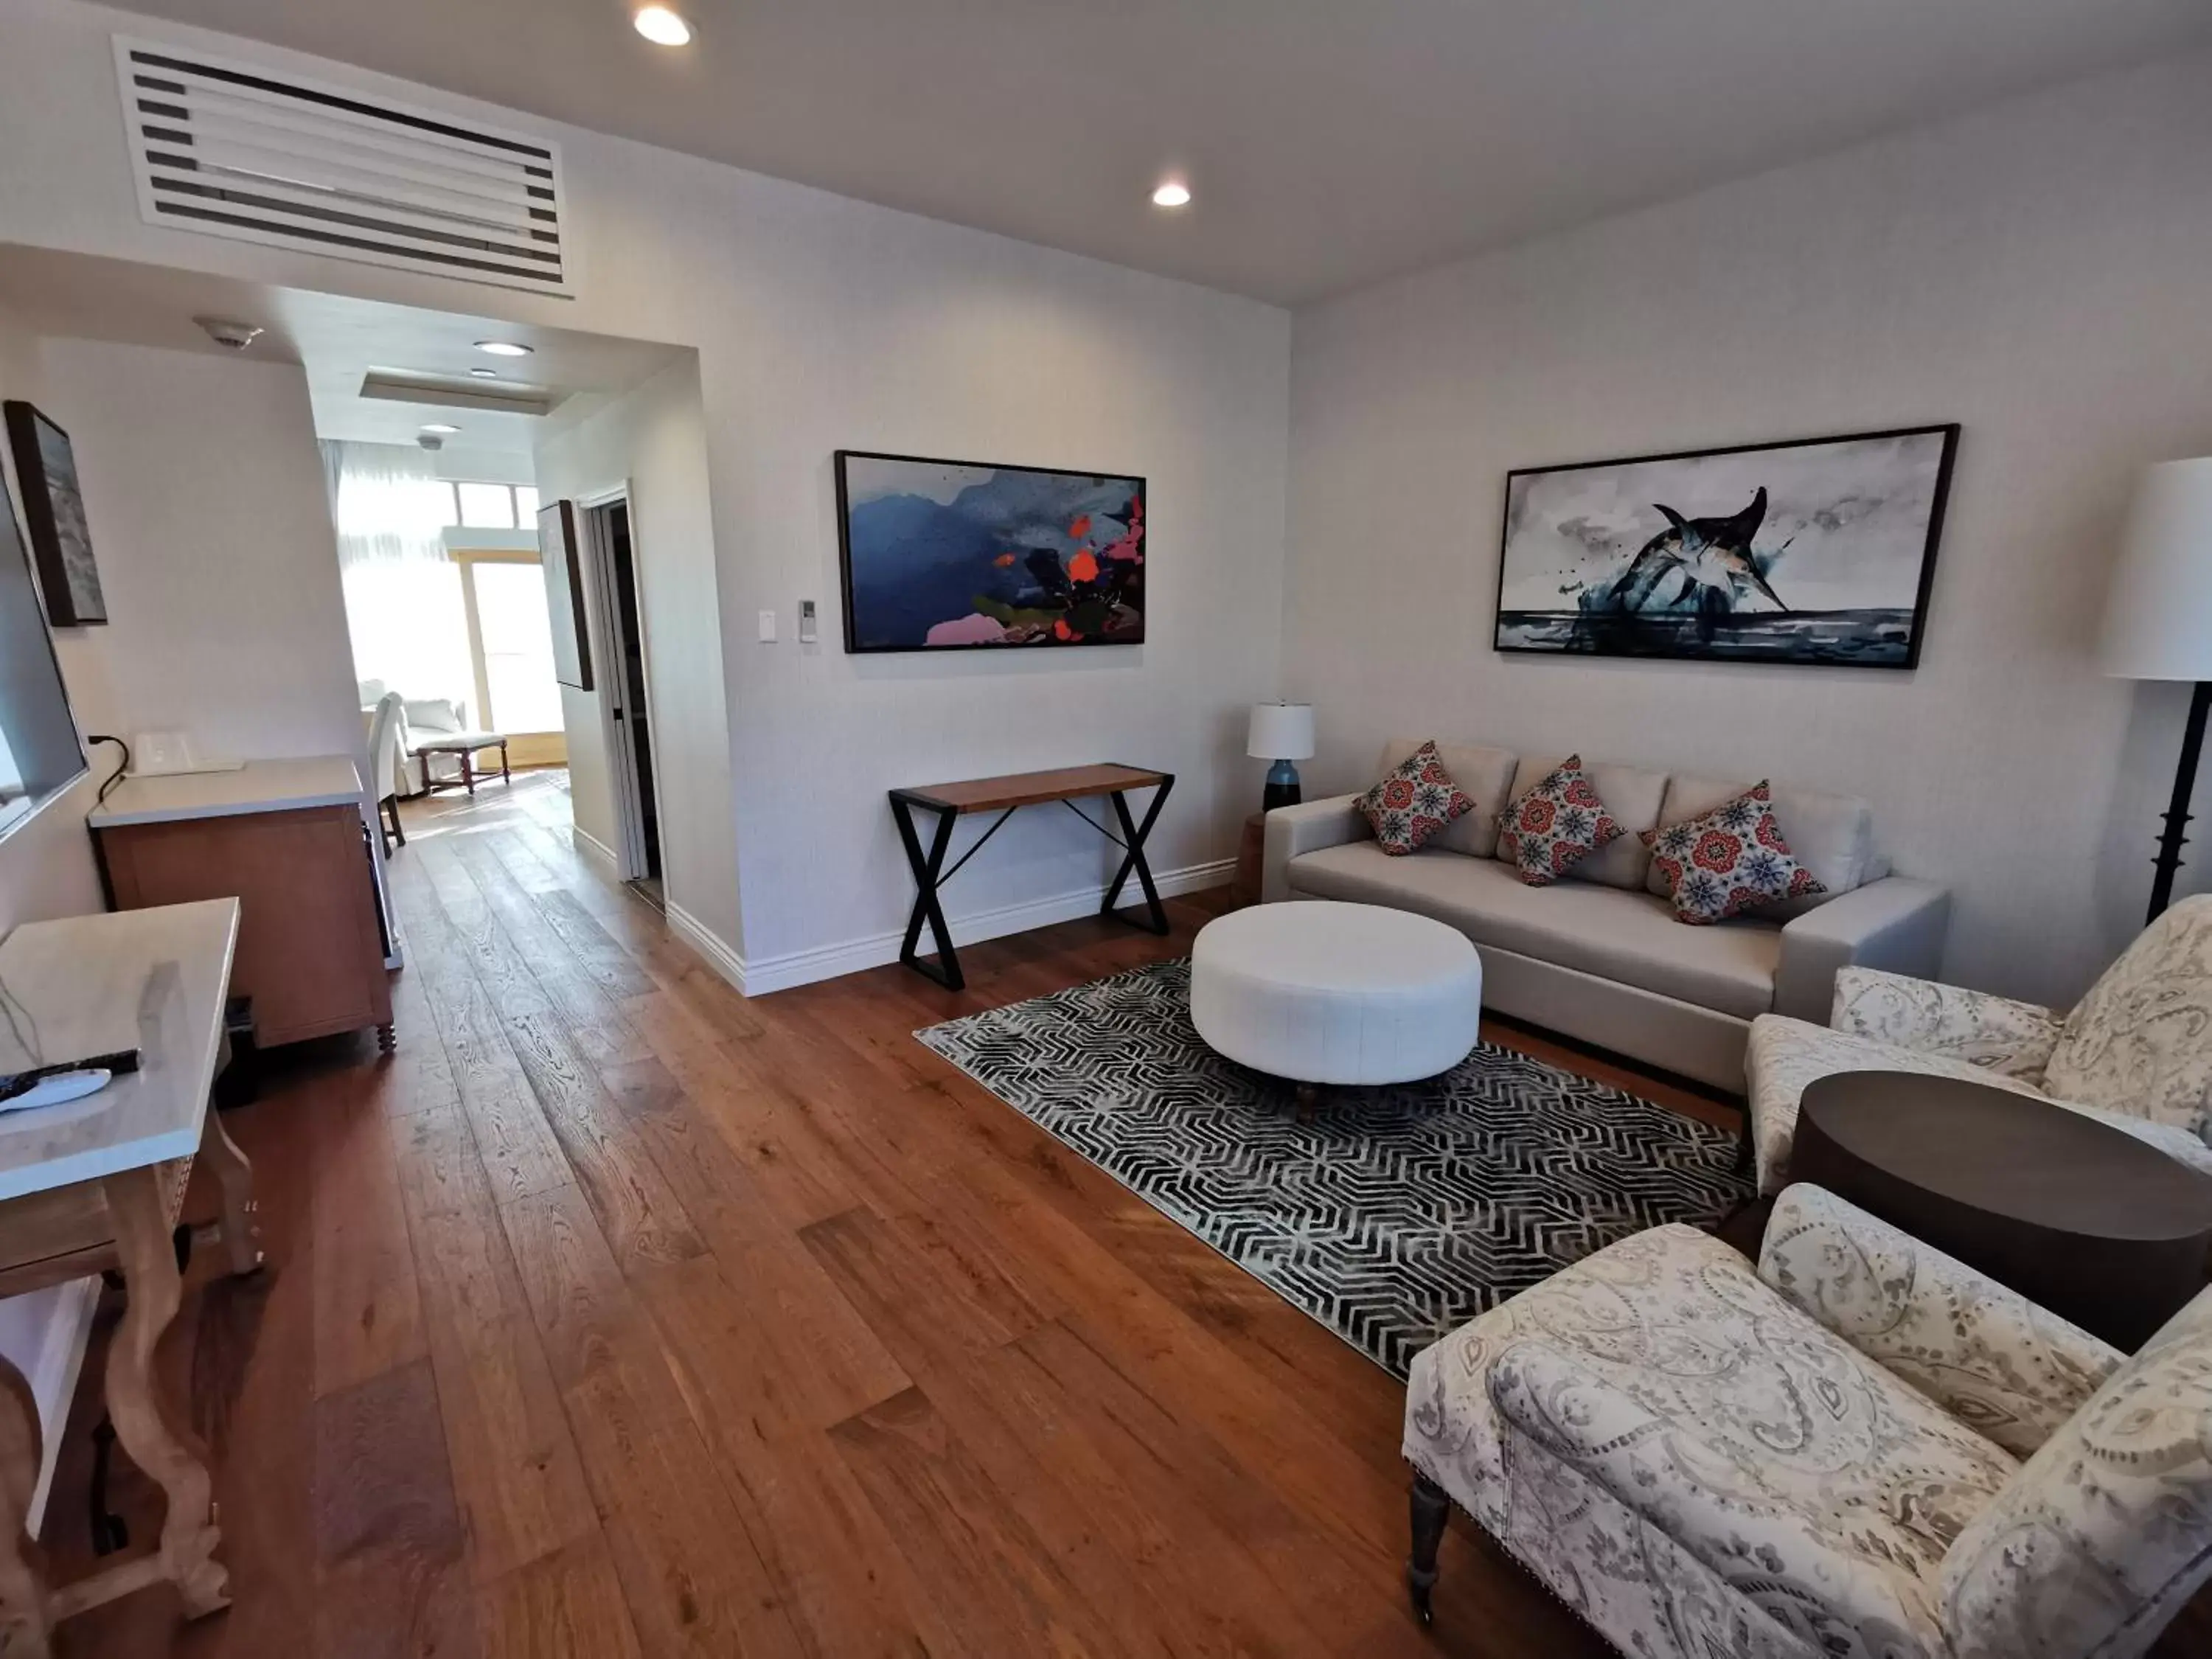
(1821, 550)
(53, 509)
(958, 556)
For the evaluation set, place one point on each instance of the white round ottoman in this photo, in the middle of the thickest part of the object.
(1319, 992)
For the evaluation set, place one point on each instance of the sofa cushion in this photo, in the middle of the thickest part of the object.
(1832, 835)
(1631, 938)
(1483, 775)
(1412, 802)
(1818, 1485)
(1555, 824)
(1724, 862)
(1631, 793)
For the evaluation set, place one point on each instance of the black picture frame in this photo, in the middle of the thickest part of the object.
(853, 648)
(1605, 637)
(54, 516)
(560, 559)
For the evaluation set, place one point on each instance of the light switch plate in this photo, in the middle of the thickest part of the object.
(767, 626)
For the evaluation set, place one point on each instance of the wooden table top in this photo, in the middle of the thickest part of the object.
(1027, 788)
(2008, 1154)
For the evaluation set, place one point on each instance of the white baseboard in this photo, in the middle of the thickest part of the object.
(720, 955)
(597, 850)
(851, 956)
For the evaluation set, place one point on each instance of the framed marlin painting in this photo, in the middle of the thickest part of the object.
(1820, 550)
(951, 555)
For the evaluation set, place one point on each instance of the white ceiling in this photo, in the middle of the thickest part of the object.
(338, 341)
(1329, 143)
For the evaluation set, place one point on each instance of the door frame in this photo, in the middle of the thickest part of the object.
(614, 685)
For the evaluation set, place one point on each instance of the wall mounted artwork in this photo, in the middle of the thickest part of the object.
(1821, 550)
(53, 510)
(951, 555)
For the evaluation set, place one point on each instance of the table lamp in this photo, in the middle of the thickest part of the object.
(1281, 733)
(2158, 623)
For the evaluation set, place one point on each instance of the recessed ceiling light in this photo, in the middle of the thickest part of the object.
(503, 347)
(442, 428)
(662, 26)
(1173, 194)
(485, 374)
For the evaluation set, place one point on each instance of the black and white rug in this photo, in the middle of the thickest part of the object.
(1396, 1214)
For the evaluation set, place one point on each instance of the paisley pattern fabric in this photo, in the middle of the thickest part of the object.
(1807, 1483)
(2012, 1038)
(2107, 1531)
(2140, 1042)
(1988, 1356)
(1414, 803)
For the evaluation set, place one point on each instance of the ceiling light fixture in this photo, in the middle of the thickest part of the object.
(442, 428)
(662, 26)
(484, 374)
(504, 347)
(1173, 194)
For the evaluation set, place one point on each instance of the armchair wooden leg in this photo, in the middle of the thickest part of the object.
(504, 776)
(1430, 1510)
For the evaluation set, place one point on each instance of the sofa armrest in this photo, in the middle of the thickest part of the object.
(1675, 1471)
(2013, 1038)
(1306, 828)
(1896, 923)
(2006, 1368)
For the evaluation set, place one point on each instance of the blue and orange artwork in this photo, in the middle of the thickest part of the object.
(951, 555)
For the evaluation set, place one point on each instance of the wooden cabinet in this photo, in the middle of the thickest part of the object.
(310, 951)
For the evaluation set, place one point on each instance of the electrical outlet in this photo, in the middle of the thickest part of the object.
(767, 626)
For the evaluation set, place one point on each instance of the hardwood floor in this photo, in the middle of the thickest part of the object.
(616, 1314)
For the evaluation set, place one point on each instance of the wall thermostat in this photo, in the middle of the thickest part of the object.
(806, 622)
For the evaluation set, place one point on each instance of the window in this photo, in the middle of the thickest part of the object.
(470, 505)
(510, 641)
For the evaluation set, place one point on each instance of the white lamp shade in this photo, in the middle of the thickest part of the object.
(1281, 731)
(2158, 615)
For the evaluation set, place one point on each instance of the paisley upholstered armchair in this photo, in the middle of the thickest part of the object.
(1863, 1448)
(2135, 1053)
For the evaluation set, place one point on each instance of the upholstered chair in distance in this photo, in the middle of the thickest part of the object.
(2135, 1053)
(1862, 1449)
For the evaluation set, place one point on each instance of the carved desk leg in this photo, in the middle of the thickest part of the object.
(189, 1537)
(25, 1618)
(241, 1235)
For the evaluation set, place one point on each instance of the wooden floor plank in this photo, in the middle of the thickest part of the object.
(617, 1315)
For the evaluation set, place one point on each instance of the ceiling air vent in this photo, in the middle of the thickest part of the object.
(233, 151)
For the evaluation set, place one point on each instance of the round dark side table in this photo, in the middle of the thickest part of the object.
(2081, 1218)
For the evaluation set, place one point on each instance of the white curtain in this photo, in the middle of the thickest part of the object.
(403, 591)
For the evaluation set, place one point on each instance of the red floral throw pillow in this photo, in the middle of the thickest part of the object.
(1410, 806)
(1728, 861)
(1555, 824)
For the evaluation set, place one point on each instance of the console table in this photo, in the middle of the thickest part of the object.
(1006, 796)
(97, 1184)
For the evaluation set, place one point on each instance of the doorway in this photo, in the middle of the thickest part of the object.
(627, 704)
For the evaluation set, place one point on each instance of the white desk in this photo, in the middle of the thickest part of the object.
(98, 1183)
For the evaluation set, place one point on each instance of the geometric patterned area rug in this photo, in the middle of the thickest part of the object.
(1396, 1214)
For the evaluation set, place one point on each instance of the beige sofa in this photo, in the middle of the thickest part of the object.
(1599, 956)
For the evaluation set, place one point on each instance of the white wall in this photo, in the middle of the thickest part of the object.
(204, 495)
(654, 440)
(822, 323)
(2041, 273)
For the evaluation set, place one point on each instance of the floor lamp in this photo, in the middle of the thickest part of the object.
(2158, 623)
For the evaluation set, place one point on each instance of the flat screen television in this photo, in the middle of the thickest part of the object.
(40, 754)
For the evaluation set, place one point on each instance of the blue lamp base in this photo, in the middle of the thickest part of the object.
(1282, 787)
